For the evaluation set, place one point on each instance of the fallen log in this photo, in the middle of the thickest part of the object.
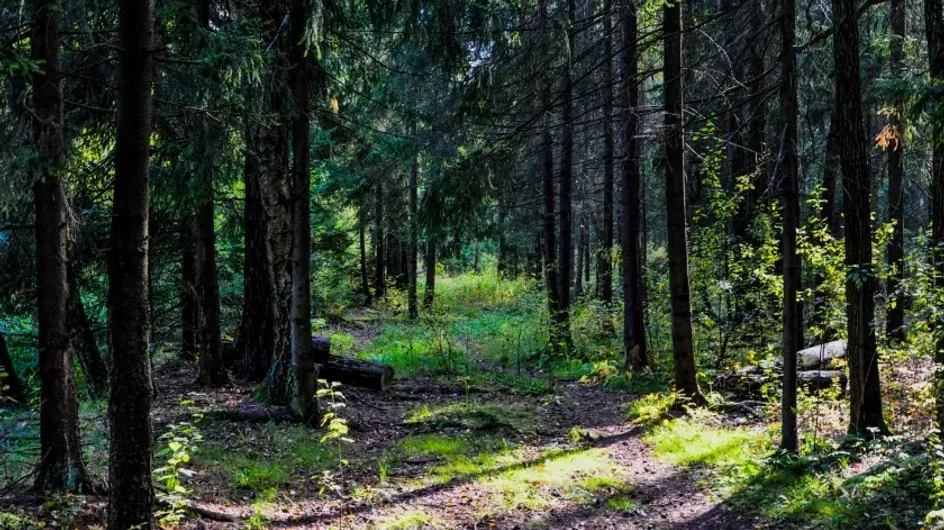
(349, 371)
(820, 357)
(822, 379)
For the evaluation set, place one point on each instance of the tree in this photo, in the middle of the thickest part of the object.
(634, 331)
(131, 495)
(864, 389)
(414, 242)
(604, 255)
(791, 208)
(379, 268)
(895, 322)
(60, 465)
(304, 402)
(212, 368)
(547, 166)
(683, 351)
(934, 29)
(565, 186)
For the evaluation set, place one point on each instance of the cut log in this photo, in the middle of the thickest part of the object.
(822, 379)
(348, 371)
(821, 356)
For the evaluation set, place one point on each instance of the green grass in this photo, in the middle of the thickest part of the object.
(887, 489)
(477, 416)
(409, 520)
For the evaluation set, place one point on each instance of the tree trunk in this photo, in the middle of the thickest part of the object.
(634, 331)
(83, 342)
(791, 207)
(362, 247)
(604, 252)
(429, 293)
(212, 367)
(188, 299)
(864, 388)
(304, 403)
(131, 495)
(686, 380)
(414, 243)
(565, 186)
(934, 29)
(11, 388)
(578, 277)
(547, 158)
(60, 465)
(895, 322)
(379, 287)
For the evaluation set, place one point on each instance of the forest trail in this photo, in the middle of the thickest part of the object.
(477, 459)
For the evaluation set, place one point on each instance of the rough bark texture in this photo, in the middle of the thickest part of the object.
(791, 270)
(895, 320)
(565, 186)
(934, 29)
(429, 292)
(634, 332)
(864, 390)
(84, 344)
(348, 371)
(131, 495)
(60, 465)
(547, 167)
(11, 388)
(683, 351)
(304, 403)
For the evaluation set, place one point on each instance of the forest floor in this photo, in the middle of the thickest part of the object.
(473, 436)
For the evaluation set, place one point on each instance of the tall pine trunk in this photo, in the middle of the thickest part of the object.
(414, 243)
(131, 495)
(60, 465)
(379, 251)
(934, 29)
(304, 402)
(547, 166)
(362, 248)
(429, 292)
(683, 349)
(895, 321)
(565, 186)
(791, 271)
(83, 342)
(188, 299)
(634, 331)
(864, 389)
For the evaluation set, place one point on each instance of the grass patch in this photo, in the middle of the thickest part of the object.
(692, 442)
(411, 520)
(650, 408)
(477, 417)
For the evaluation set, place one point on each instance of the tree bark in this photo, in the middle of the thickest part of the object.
(362, 247)
(379, 287)
(604, 253)
(304, 403)
(634, 331)
(60, 466)
(429, 292)
(683, 351)
(83, 342)
(791, 207)
(131, 495)
(565, 186)
(864, 388)
(895, 322)
(212, 366)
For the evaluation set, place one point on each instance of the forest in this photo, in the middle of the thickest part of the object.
(471, 264)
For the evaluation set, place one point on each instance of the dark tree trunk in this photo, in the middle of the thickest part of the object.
(188, 299)
(414, 243)
(791, 207)
(379, 251)
(578, 277)
(212, 365)
(131, 494)
(547, 159)
(586, 252)
(683, 350)
(362, 247)
(934, 29)
(429, 293)
(257, 329)
(634, 331)
(84, 344)
(830, 175)
(11, 388)
(304, 402)
(864, 388)
(503, 251)
(60, 464)
(565, 186)
(604, 252)
(895, 322)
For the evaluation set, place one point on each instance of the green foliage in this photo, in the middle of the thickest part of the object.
(12, 521)
(179, 442)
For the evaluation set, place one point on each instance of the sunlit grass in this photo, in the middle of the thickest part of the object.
(410, 520)
(478, 416)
